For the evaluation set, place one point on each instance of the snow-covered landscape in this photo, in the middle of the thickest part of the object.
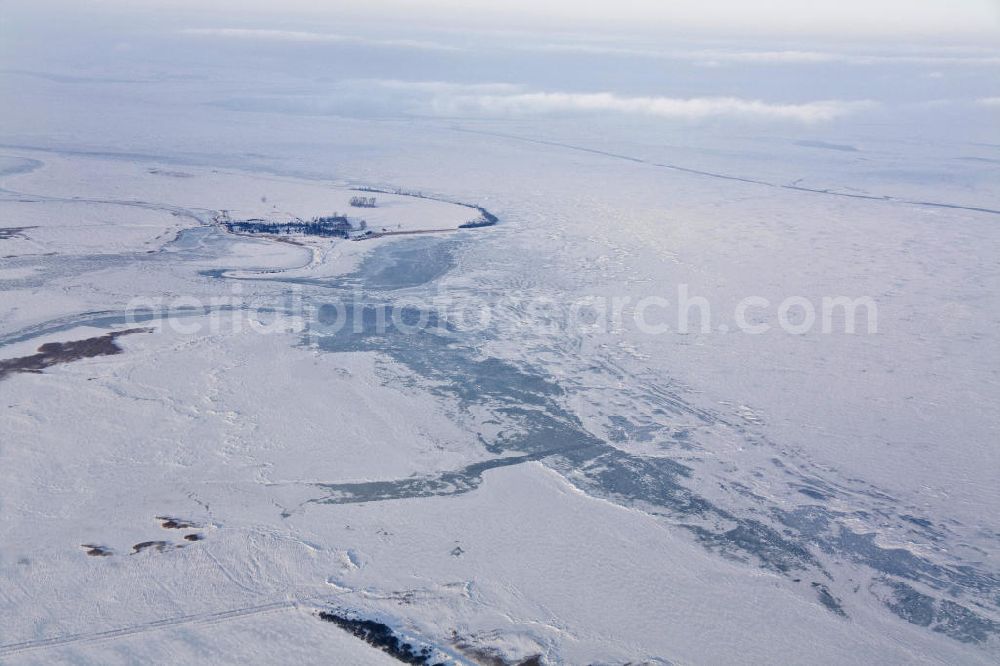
(410, 343)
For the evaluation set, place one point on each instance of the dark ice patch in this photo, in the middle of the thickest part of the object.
(831, 602)
(943, 616)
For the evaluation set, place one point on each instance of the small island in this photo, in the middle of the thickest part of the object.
(330, 226)
(337, 225)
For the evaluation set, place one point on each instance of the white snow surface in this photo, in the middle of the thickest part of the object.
(497, 490)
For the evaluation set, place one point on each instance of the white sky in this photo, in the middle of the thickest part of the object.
(839, 17)
(759, 15)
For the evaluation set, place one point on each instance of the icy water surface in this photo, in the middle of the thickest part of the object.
(537, 426)
(529, 412)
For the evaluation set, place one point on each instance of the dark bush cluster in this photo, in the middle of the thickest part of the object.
(331, 225)
(382, 637)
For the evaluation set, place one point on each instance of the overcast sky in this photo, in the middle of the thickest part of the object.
(835, 17)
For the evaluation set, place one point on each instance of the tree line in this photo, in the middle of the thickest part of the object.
(330, 225)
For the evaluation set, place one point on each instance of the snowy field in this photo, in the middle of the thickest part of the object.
(234, 443)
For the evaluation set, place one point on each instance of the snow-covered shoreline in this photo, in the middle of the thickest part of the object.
(559, 496)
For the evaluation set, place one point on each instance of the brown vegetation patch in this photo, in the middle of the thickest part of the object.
(159, 546)
(53, 353)
(96, 551)
(168, 523)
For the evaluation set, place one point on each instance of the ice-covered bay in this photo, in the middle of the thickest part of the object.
(501, 487)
